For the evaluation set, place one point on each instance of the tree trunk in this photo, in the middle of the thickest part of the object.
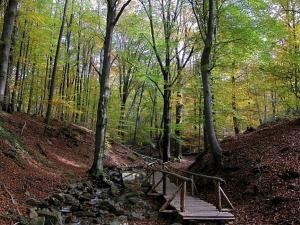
(234, 107)
(138, 114)
(5, 43)
(111, 19)
(23, 74)
(179, 113)
(18, 67)
(166, 121)
(206, 73)
(31, 90)
(97, 167)
(52, 85)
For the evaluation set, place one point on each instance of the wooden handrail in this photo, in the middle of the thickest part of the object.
(201, 175)
(173, 174)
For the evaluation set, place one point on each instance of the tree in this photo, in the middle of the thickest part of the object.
(5, 44)
(55, 64)
(112, 18)
(208, 33)
(169, 11)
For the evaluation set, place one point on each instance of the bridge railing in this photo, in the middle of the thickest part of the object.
(220, 193)
(181, 187)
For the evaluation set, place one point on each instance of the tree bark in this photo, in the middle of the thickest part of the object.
(52, 84)
(234, 107)
(5, 43)
(206, 74)
(111, 19)
(31, 90)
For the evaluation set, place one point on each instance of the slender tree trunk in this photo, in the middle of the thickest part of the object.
(31, 90)
(23, 74)
(274, 101)
(18, 67)
(5, 44)
(52, 85)
(234, 107)
(138, 114)
(179, 115)
(206, 73)
(97, 167)
(111, 20)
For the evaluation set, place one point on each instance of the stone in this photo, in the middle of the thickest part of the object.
(85, 214)
(51, 218)
(121, 220)
(289, 175)
(134, 200)
(71, 219)
(107, 205)
(32, 213)
(294, 187)
(10, 153)
(59, 196)
(114, 190)
(71, 200)
(137, 215)
(36, 203)
(54, 201)
(84, 197)
(38, 221)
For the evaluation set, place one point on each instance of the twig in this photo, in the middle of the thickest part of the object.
(11, 197)
(23, 128)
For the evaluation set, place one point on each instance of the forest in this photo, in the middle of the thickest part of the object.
(169, 79)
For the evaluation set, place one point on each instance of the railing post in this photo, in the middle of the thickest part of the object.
(182, 197)
(164, 184)
(164, 181)
(192, 185)
(153, 177)
(219, 196)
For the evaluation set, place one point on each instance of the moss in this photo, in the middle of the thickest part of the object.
(10, 137)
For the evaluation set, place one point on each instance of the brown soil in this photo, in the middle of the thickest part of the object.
(262, 173)
(51, 159)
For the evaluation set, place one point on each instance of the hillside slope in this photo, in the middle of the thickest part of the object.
(34, 162)
(262, 170)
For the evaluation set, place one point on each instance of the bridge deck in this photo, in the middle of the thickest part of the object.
(195, 208)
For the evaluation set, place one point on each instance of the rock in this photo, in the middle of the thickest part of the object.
(10, 153)
(294, 187)
(54, 201)
(121, 220)
(32, 213)
(134, 200)
(36, 203)
(71, 200)
(59, 196)
(107, 205)
(136, 215)
(84, 197)
(276, 200)
(71, 219)
(38, 221)
(114, 190)
(289, 175)
(51, 218)
(85, 214)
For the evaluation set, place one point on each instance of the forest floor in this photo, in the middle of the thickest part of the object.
(261, 168)
(35, 163)
(262, 173)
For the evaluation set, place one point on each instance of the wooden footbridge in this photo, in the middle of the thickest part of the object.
(180, 192)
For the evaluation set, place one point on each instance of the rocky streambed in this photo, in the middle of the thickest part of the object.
(117, 199)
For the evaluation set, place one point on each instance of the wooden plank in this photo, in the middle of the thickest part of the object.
(194, 208)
